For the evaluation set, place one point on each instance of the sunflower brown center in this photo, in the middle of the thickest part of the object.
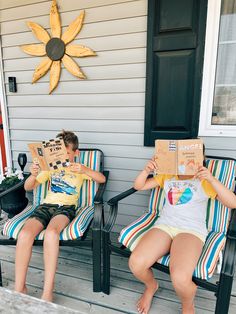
(55, 49)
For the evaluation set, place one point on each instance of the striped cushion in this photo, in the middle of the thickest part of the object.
(84, 213)
(217, 221)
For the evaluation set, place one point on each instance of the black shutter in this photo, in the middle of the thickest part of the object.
(175, 49)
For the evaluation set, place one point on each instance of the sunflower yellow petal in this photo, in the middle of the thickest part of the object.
(55, 21)
(39, 32)
(73, 29)
(72, 67)
(79, 51)
(34, 50)
(55, 73)
(41, 69)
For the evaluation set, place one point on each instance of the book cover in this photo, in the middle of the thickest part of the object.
(178, 157)
(49, 155)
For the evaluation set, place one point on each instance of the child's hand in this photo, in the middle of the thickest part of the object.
(204, 173)
(150, 166)
(77, 167)
(34, 169)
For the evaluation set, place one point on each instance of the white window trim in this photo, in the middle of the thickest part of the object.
(3, 104)
(208, 81)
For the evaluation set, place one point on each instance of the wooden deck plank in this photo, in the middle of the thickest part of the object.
(76, 264)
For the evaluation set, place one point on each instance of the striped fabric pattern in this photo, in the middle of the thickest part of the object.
(84, 213)
(131, 234)
(217, 220)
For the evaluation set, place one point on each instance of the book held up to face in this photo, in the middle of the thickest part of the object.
(49, 155)
(178, 157)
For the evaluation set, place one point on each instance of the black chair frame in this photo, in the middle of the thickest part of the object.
(222, 288)
(94, 242)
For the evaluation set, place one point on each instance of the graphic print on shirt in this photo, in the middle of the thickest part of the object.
(180, 193)
(60, 183)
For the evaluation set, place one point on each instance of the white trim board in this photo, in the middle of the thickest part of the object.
(208, 82)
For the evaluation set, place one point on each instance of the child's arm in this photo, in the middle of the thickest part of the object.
(31, 181)
(141, 182)
(224, 195)
(95, 175)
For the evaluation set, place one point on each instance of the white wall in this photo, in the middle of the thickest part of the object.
(107, 110)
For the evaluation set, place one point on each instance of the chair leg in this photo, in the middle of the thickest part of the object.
(106, 263)
(97, 261)
(0, 274)
(224, 294)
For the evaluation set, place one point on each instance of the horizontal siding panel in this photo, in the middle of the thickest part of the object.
(6, 4)
(81, 100)
(80, 125)
(85, 137)
(82, 113)
(134, 152)
(135, 55)
(108, 28)
(84, 87)
(108, 72)
(124, 41)
(104, 9)
(125, 163)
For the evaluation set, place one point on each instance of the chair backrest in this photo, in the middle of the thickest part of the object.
(92, 158)
(217, 215)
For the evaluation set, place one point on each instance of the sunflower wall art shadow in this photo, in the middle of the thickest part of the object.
(57, 48)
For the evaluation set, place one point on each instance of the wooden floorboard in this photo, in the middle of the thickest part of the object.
(73, 286)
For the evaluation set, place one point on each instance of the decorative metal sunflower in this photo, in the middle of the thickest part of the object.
(56, 48)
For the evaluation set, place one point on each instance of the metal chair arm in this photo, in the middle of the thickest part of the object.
(113, 208)
(98, 204)
(15, 187)
(99, 195)
(232, 226)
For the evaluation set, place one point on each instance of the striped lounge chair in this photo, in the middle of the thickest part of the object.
(90, 209)
(221, 223)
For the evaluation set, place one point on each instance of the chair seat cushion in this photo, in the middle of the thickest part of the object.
(207, 262)
(73, 231)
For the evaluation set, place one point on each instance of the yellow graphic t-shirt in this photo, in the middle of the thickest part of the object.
(64, 188)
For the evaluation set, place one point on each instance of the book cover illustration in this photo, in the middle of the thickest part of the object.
(178, 157)
(49, 155)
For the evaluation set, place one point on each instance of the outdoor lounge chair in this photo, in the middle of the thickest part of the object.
(89, 213)
(221, 223)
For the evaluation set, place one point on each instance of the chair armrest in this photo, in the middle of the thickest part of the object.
(101, 189)
(113, 208)
(15, 187)
(121, 196)
(232, 225)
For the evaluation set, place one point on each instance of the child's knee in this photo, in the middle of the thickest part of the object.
(25, 236)
(136, 262)
(51, 234)
(180, 277)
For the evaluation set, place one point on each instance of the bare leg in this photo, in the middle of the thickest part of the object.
(24, 245)
(184, 255)
(51, 251)
(154, 244)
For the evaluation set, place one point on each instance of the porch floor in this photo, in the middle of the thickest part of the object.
(73, 286)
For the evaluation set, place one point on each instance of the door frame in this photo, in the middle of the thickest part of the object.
(3, 104)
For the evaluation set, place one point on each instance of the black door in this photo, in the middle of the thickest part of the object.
(175, 49)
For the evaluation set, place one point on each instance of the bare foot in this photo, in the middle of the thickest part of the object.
(188, 309)
(144, 303)
(24, 290)
(47, 297)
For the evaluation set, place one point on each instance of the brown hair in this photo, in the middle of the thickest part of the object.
(69, 138)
